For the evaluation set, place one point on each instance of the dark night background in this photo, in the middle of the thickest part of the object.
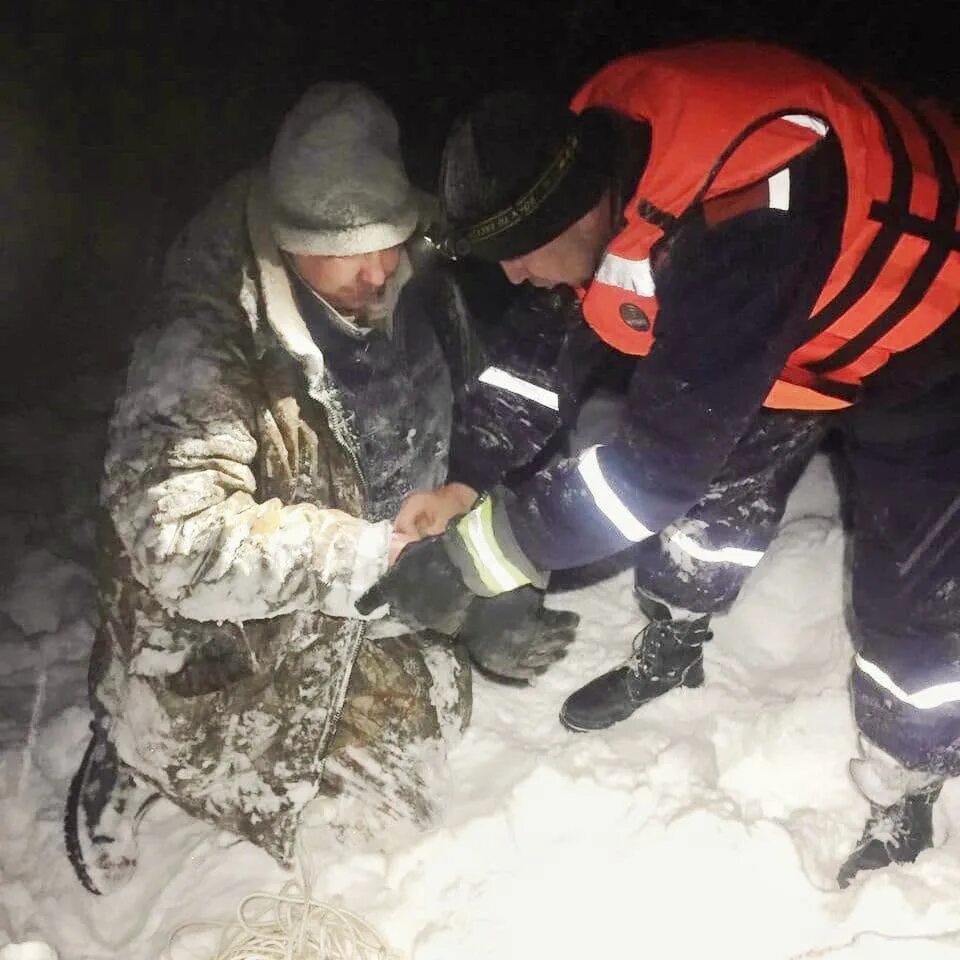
(120, 118)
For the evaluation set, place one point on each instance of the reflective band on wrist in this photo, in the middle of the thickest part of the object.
(609, 504)
(929, 698)
(496, 377)
(497, 573)
(745, 558)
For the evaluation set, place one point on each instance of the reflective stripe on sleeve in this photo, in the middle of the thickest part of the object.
(928, 699)
(779, 187)
(497, 573)
(609, 504)
(746, 558)
(633, 275)
(496, 377)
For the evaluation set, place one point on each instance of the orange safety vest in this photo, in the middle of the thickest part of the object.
(726, 118)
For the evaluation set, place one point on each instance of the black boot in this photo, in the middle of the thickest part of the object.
(104, 807)
(894, 834)
(667, 653)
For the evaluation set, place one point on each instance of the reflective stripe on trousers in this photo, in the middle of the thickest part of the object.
(926, 698)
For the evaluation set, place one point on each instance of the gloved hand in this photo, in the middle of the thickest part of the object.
(513, 636)
(424, 589)
(434, 580)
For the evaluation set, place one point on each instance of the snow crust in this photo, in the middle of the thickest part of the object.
(710, 824)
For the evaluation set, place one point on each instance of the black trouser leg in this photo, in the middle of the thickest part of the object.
(701, 562)
(905, 595)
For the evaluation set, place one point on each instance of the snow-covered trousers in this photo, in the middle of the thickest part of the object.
(904, 492)
(408, 699)
(700, 562)
(899, 472)
(225, 754)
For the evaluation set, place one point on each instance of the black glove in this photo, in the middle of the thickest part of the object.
(424, 589)
(514, 637)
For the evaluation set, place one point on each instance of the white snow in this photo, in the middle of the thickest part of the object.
(710, 824)
(40, 576)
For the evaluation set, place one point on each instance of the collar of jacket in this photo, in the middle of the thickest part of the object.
(285, 320)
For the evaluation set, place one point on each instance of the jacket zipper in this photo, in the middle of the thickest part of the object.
(342, 435)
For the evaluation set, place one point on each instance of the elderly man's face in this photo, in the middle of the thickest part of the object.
(570, 258)
(352, 284)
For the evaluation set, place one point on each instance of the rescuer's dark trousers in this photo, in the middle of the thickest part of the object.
(899, 472)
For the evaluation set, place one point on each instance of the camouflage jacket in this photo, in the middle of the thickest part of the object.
(233, 547)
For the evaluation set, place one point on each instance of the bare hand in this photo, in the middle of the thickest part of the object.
(426, 513)
(397, 542)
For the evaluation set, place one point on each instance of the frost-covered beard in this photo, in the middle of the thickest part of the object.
(379, 312)
(376, 313)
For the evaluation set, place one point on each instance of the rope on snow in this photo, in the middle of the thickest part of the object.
(291, 925)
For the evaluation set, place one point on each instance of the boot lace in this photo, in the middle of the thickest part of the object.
(647, 659)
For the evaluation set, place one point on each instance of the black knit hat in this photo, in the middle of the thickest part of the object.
(517, 170)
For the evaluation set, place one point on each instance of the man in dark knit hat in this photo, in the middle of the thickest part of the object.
(774, 250)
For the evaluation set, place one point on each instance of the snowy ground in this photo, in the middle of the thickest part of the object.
(710, 824)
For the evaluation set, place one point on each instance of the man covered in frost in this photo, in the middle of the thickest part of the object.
(775, 251)
(293, 390)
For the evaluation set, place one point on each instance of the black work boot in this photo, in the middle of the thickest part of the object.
(104, 807)
(667, 653)
(894, 834)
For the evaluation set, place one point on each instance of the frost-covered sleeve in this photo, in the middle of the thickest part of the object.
(733, 301)
(181, 489)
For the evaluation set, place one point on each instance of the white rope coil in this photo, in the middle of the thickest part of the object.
(291, 925)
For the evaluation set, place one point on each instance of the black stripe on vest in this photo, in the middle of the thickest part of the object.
(896, 218)
(801, 377)
(879, 251)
